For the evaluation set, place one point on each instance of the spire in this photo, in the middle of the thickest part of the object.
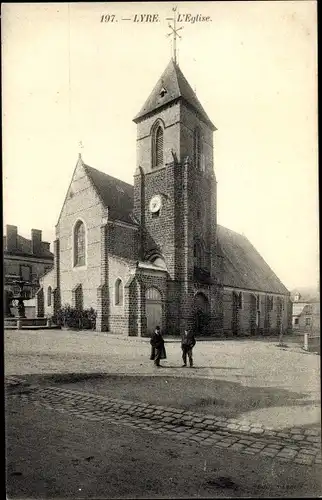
(172, 86)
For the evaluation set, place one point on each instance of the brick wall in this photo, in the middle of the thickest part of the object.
(119, 269)
(132, 307)
(188, 209)
(123, 241)
(102, 292)
(245, 318)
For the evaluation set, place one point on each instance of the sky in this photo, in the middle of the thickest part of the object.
(68, 77)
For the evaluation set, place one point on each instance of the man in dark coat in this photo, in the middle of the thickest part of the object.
(188, 342)
(157, 344)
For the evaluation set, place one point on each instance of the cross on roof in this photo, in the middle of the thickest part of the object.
(174, 33)
(80, 147)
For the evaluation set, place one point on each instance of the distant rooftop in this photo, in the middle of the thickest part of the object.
(14, 244)
(305, 294)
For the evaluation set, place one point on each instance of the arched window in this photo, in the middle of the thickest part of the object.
(157, 147)
(198, 254)
(49, 292)
(197, 148)
(118, 292)
(79, 244)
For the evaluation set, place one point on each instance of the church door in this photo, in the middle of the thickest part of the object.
(153, 305)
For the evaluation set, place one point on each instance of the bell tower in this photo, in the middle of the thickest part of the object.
(175, 193)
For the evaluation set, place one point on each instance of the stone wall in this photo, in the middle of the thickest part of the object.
(82, 203)
(119, 269)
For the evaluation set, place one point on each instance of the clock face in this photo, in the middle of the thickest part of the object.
(155, 204)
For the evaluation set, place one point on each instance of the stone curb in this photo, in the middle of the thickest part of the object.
(202, 421)
(191, 419)
(183, 425)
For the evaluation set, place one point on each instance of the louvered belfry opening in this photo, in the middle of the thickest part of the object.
(158, 147)
(197, 147)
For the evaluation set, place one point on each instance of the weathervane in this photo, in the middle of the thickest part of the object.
(81, 146)
(174, 33)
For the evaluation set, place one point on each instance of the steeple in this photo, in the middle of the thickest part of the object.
(172, 86)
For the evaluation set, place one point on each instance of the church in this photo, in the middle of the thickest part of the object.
(152, 253)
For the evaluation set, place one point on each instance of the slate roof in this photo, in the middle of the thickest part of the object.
(115, 194)
(243, 266)
(177, 87)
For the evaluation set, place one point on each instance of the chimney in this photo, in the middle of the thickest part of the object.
(36, 241)
(12, 234)
(46, 245)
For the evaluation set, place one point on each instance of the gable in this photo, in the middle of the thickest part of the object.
(81, 194)
(298, 308)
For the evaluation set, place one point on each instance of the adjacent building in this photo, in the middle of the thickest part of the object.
(305, 312)
(25, 259)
